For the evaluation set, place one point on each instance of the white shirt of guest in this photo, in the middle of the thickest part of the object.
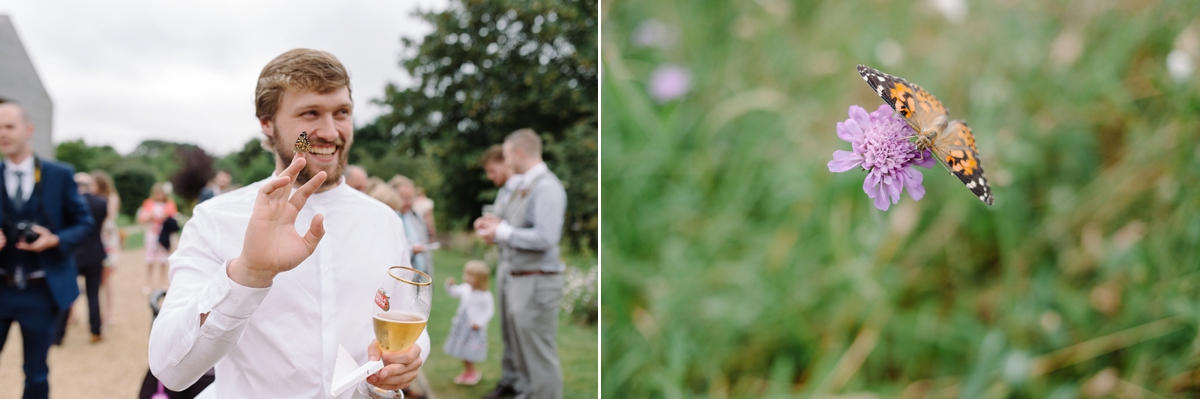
(477, 305)
(504, 230)
(281, 341)
(11, 181)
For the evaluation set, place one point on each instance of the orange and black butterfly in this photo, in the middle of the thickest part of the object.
(302, 144)
(950, 140)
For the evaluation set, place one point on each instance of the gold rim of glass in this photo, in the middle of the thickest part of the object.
(430, 282)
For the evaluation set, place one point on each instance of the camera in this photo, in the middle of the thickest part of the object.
(25, 232)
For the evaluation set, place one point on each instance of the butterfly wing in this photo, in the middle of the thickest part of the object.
(302, 144)
(922, 110)
(956, 147)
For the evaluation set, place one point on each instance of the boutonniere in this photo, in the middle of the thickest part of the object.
(524, 192)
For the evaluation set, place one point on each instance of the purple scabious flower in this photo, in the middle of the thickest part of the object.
(880, 145)
(670, 82)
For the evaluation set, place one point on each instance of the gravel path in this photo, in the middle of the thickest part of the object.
(112, 368)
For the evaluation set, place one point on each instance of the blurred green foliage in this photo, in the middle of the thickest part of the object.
(737, 265)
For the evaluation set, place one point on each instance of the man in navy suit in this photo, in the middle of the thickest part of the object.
(43, 218)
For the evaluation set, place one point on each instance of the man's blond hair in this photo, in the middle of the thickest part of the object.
(527, 140)
(297, 70)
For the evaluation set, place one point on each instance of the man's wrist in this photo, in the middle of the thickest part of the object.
(249, 277)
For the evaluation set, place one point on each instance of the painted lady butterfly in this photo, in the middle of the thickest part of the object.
(302, 144)
(950, 140)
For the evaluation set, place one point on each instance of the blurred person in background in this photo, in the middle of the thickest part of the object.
(44, 218)
(111, 236)
(356, 178)
(423, 206)
(414, 226)
(528, 231)
(220, 184)
(89, 258)
(501, 174)
(154, 211)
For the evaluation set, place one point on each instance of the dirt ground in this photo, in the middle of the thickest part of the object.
(111, 368)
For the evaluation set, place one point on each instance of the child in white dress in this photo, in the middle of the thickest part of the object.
(468, 331)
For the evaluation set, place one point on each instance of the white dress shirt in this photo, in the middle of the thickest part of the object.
(281, 341)
(10, 177)
(477, 305)
(504, 230)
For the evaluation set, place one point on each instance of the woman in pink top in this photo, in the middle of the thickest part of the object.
(153, 212)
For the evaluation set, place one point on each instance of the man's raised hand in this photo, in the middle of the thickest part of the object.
(272, 245)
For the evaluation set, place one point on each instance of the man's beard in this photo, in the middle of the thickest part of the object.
(286, 153)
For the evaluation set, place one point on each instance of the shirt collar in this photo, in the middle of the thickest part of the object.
(513, 182)
(532, 174)
(25, 166)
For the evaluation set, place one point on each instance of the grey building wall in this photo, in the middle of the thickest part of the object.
(19, 82)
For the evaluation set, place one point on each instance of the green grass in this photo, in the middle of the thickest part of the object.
(576, 343)
(737, 265)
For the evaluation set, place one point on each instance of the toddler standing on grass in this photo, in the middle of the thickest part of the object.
(468, 330)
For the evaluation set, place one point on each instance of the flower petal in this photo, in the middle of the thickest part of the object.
(850, 131)
(924, 159)
(869, 184)
(881, 201)
(893, 184)
(844, 160)
(913, 183)
(858, 114)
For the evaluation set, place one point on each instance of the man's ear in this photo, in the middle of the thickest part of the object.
(268, 127)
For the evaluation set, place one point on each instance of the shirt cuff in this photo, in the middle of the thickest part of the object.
(232, 299)
(503, 232)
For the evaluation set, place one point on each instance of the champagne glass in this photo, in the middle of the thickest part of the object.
(401, 311)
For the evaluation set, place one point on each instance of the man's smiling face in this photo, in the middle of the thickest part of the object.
(327, 118)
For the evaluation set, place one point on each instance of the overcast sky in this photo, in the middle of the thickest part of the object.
(123, 71)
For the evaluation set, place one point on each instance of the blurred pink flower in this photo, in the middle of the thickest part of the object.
(670, 82)
(879, 144)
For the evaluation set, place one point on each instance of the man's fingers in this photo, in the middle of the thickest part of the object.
(373, 351)
(307, 190)
(391, 378)
(316, 230)
(293, 170)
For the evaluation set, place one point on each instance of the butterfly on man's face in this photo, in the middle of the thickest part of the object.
(302, 144)
(950, 140)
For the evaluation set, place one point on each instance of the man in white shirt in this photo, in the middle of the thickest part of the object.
(262, 293)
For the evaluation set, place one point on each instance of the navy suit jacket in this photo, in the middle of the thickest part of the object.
(70, 219)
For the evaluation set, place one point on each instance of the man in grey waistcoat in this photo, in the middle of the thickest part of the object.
(527, 231)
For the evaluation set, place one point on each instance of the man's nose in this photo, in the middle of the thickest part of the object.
(326, 129)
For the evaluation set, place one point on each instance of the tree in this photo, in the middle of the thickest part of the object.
(133, 182)
(84, 157)
(491, 67)
(251, 164)
(196, 171)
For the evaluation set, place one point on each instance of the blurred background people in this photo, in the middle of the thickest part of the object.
(528, 231)
(89, 258)
(423, 207)
(356, 178)
(414, 226)
(154, 211)
(113, 240)
(220, 184)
